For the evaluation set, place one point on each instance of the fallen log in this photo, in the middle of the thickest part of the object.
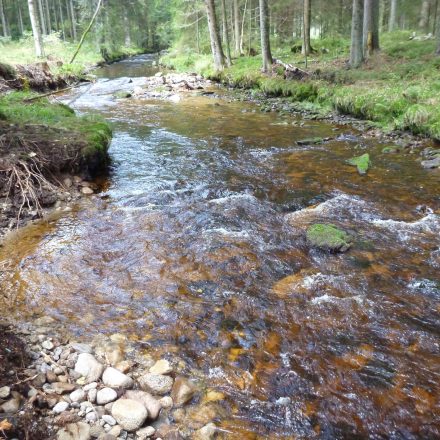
(291, 71)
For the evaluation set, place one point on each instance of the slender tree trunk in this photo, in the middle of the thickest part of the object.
(127, 29)
(357, 50)
(39, 50)
(424, 15)
(226, 34)
(197, 31)
(306, 48)
(265, 35)
(216, 46)
(73, 18)
(438, 40)
(63, 32)
(3, 19)
(393, 15)
(237, 28)
(242, 28)
(48, 20)
(20, 20)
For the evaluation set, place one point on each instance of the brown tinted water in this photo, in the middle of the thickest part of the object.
(196, 250)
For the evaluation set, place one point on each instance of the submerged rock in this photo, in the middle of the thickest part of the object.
(310, 141)
(183, 391)
(361, 162)
(328, 238)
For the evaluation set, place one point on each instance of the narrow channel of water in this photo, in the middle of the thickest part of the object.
(196, 248)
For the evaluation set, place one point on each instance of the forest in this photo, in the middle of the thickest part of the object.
(219, 219)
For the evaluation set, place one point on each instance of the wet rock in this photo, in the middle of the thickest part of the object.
(114, 355)
(89, 367)
(167, 432)
(328, 238)
(206, 433)
(129, 413)
(156, 383)
(4, 392)
(361, 162)
(310, 141)
(124, 366)
(152, 405)
(145, 433)
(122, 95)
(78, 396)
(60, 407)
(161, 367)
(75, 431)
(183, 391)
(114, 378)
(432, 163)
(106, 395)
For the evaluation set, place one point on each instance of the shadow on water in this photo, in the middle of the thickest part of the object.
(198, 248)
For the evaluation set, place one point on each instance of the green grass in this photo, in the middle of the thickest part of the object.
(399, 88)
(93, 129)
(22, 51)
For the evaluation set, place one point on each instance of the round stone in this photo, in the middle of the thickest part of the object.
(131, 415)
(106, 395)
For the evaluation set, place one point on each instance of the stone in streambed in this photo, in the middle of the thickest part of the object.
(60, 407)
(106, 395)
(145, 433)
(74, 431)
(153, 405)
(361, 162)
(78, 396)
(156, 383)
(310, 141)
(161, 367)
(89, 367)
(130, 414)
(4, 392)
(183, 391)
(115, 379)
(328, 237)
(432, 163)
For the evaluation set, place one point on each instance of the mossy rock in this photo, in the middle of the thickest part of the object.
(387, 150)
(122, 95)
(361, 162)
(328, 238)
(310, 141)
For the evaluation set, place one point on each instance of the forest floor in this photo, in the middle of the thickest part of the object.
(47, 153)
(396, 89)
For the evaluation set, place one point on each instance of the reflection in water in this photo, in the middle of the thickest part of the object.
(199, 249)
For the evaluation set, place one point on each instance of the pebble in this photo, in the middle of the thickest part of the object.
(161, 367)
(74, 431)
(91, 416)
(91, 395)
(156, 383)
(4, 392)
(183, 391)
(90, 386)
(130, 414)
(78, 395)
(62, 388)
(145, 433)
(47, 345)
(87, 190)
(166, 402)
(109, 419)
(60, 407)
(11, 406)
(153, 405)
(114, 378)
(106, 395)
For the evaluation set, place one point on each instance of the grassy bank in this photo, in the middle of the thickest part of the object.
(22, 51)
(398, 88)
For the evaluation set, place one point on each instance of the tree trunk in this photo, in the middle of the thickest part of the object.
(242, 28)
(226, 34)
(393, 16)
(371, 27)
(127, 29)
(63, 32)
(265, 35)
(48, 20)
(216, 46)
(73, 18)
(39, 50)
(42, 18)
(424, 15)
(3, 18)
(238, 51)
(306, 48)
(20, 20)
(357, 50)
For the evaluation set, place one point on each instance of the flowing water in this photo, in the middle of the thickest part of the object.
(196, 249)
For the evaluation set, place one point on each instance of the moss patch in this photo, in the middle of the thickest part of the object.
(328, 238)
(361, 162)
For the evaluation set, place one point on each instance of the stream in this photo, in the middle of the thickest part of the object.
(196, 250)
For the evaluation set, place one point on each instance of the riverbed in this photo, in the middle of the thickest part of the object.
(195, 249)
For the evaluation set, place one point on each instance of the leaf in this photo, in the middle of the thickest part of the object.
(5, 425)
